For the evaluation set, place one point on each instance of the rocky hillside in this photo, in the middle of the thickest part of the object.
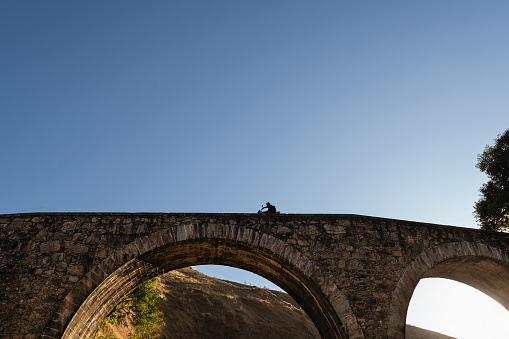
(198, 306)
(413, 332)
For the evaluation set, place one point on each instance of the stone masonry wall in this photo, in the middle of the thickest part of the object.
(43, 255)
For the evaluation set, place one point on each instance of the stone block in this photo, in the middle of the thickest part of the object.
(69, 226)
(50, 246)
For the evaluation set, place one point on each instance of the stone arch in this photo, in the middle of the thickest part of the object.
(480, 266)
(105, 285)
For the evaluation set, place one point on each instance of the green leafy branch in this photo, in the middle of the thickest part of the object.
(142, 308)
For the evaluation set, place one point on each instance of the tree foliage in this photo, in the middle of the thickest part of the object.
(492, 209)
(141, 309)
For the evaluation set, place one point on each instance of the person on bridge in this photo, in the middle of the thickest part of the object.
(270, 208)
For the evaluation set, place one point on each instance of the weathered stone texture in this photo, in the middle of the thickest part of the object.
(51, 263)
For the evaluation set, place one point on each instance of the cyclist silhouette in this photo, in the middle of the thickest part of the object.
(270, 208)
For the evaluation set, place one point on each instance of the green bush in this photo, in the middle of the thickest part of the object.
(140, 308)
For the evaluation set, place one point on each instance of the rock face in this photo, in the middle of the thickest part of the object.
(413, 332)
(354, 276)
(198, 306)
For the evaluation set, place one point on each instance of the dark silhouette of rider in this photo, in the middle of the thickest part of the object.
(270, 208)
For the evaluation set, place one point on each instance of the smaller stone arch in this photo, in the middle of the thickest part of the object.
(105, 285)
(477, 265)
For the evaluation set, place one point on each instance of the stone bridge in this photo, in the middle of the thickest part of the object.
(61, 273)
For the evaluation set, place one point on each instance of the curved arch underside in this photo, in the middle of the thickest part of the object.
(180, 247)
(488, 276)
(477, 265)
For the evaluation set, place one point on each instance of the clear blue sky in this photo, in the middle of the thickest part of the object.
(375, 108)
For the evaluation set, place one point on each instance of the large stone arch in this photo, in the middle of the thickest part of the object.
(106, 284)
(480, 266)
